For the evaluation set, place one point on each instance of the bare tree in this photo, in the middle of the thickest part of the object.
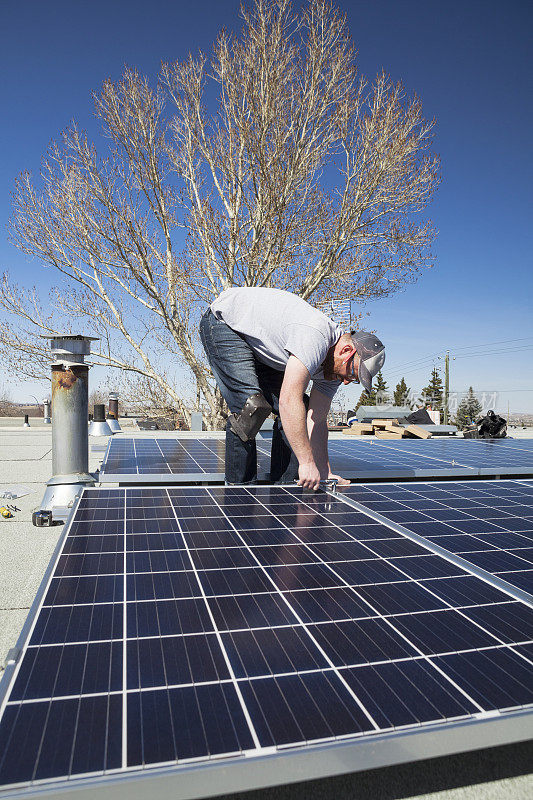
(100, 396)
(148, 398)
(7, 406)
(304, 177)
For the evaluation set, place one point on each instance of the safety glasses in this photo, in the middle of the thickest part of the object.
(352, 374)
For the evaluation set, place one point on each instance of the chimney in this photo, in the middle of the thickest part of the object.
(70, 440)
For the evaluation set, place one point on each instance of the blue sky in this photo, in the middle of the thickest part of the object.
(468, 61)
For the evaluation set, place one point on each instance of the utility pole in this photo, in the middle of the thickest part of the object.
(446, 384)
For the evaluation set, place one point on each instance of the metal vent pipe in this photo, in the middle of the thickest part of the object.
(70, 440)
(46, 411)
(113, 405)
(99, 413)
(112, 417)
(99, 425)
(70, 395)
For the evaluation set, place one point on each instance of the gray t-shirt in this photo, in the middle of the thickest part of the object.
(277, 324)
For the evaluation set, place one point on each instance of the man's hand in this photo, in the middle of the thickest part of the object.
(340, 481)
(309, 476)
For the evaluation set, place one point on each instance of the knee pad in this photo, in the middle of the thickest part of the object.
(248, 421)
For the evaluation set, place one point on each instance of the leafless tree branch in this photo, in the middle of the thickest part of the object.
(305, 176)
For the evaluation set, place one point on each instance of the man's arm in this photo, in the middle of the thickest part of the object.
(317, 428)
(294, 420)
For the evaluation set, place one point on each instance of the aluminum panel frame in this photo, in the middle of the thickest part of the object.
(291, 765)
(163, 477)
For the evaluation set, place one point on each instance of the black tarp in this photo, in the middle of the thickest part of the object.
(419, 417)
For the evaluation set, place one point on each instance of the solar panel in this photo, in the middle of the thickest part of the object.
(516, 444)
(167, 460)
(487, 523)
(367, 459)
(182, 460)
(225, 638)
(486, 457)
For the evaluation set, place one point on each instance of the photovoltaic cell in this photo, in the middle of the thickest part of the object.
(165, 459)
(476, 451)
(180, 459)
(467, 457)
(487, 523)
(364, 459)
(279, 618)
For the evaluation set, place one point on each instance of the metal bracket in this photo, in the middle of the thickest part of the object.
(13, 655)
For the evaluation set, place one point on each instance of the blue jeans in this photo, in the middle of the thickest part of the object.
(239, 374)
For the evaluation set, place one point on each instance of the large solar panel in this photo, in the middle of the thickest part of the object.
(367, 459)
(516, 444)
(224, 638)
(455, 457)
(167, 460)
(487, 457)
(179, 459)
(487, 523)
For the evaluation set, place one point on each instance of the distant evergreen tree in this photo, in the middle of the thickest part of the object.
(433, 392)
(467, 410)
(366, 399)
(381, 390)
(401, 394)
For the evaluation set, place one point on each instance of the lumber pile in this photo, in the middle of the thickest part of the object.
(418, 432)
(359, 429)
(383, 424)
(389, 434)
(387, 429)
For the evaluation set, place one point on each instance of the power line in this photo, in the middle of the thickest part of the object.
(423, 360)
(489, 344)
(412, 368)
(418, 366)
(496, 352)
(491, 391)
(428, 358)
(405, 371)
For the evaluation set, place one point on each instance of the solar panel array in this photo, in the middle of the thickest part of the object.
(181, 625)
(487, 457)
(167, 460)
(183, 460)
(366, 459)
(488, 523)
(163, 456)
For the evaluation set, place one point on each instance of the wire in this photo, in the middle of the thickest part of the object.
(496, 352)
(416, 361)
(402, 372)
(488, 344)
(425, 359)
(491, 391)
(405, 371)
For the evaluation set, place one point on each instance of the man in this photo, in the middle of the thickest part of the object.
(492, 426)
(264, 346)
